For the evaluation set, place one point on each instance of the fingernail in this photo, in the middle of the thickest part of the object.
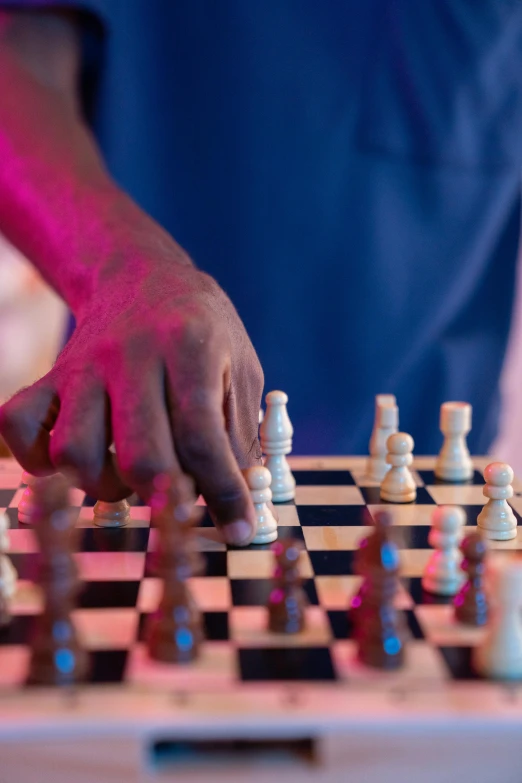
(238, 532)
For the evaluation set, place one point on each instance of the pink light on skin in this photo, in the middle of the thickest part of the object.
(356, 601)
(161, 482)
(276, 596)
(158, 501)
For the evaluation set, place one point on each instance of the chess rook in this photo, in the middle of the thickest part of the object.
(385, 424)
(276, 433)
(111, 514)
(497, 520)
(471, 604)
(398, 485)
(287, 601)
(258, 480)
(454, 462)
(500, 654)
(57, 657)
(443, 574)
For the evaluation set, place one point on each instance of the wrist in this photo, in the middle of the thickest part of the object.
(122, 248)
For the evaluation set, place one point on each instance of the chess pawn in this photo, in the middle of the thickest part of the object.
(500, 654)
(386, 423)
(8, 573)
(175, 630)
(497, 520)
(443, 575)
(398, 485)
(381, 631)
(471, 604)
(57, 657)
(258, 481)
(26, 504)
(287, 601)
(454, 462)
(111, 514)
(276, 433)
(383, 518)
(357, 599)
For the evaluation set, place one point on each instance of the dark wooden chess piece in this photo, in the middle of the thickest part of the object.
(358, 598)
(287, 601)
(175, 630)
(380, 628)
(5, 610)
(359, 569)
(471, 603)
(57, 657)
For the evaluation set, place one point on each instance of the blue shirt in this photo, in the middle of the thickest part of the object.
(348, 171)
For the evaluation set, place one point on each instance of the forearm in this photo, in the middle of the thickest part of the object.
(58, 204)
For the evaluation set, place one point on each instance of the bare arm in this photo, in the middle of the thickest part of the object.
(160, 361)
(57, 201)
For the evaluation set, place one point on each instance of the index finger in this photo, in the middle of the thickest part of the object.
(205, 452)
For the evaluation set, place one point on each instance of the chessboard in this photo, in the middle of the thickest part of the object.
(302, 697)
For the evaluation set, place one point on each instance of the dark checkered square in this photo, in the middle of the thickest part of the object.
(286, 664)
(324, 516)
(255, 592)
(323, 478)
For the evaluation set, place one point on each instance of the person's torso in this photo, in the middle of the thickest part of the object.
(349, 173)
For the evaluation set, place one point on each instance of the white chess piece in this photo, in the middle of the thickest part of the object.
(497, 520)
(111, 514)
(442, 574)
(454, 462)
(8, 575)
(398, 485)
(500, 653)
(258, 480)
(385, 424)
(276, 441)
(26, 504)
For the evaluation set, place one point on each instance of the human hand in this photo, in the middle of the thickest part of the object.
(160, 363)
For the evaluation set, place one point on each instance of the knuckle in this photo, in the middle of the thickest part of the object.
(194, 444)
(195, 407)
(140, 470)
(196, 328)
(70, 454)
(115, 351)
(15, 418)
